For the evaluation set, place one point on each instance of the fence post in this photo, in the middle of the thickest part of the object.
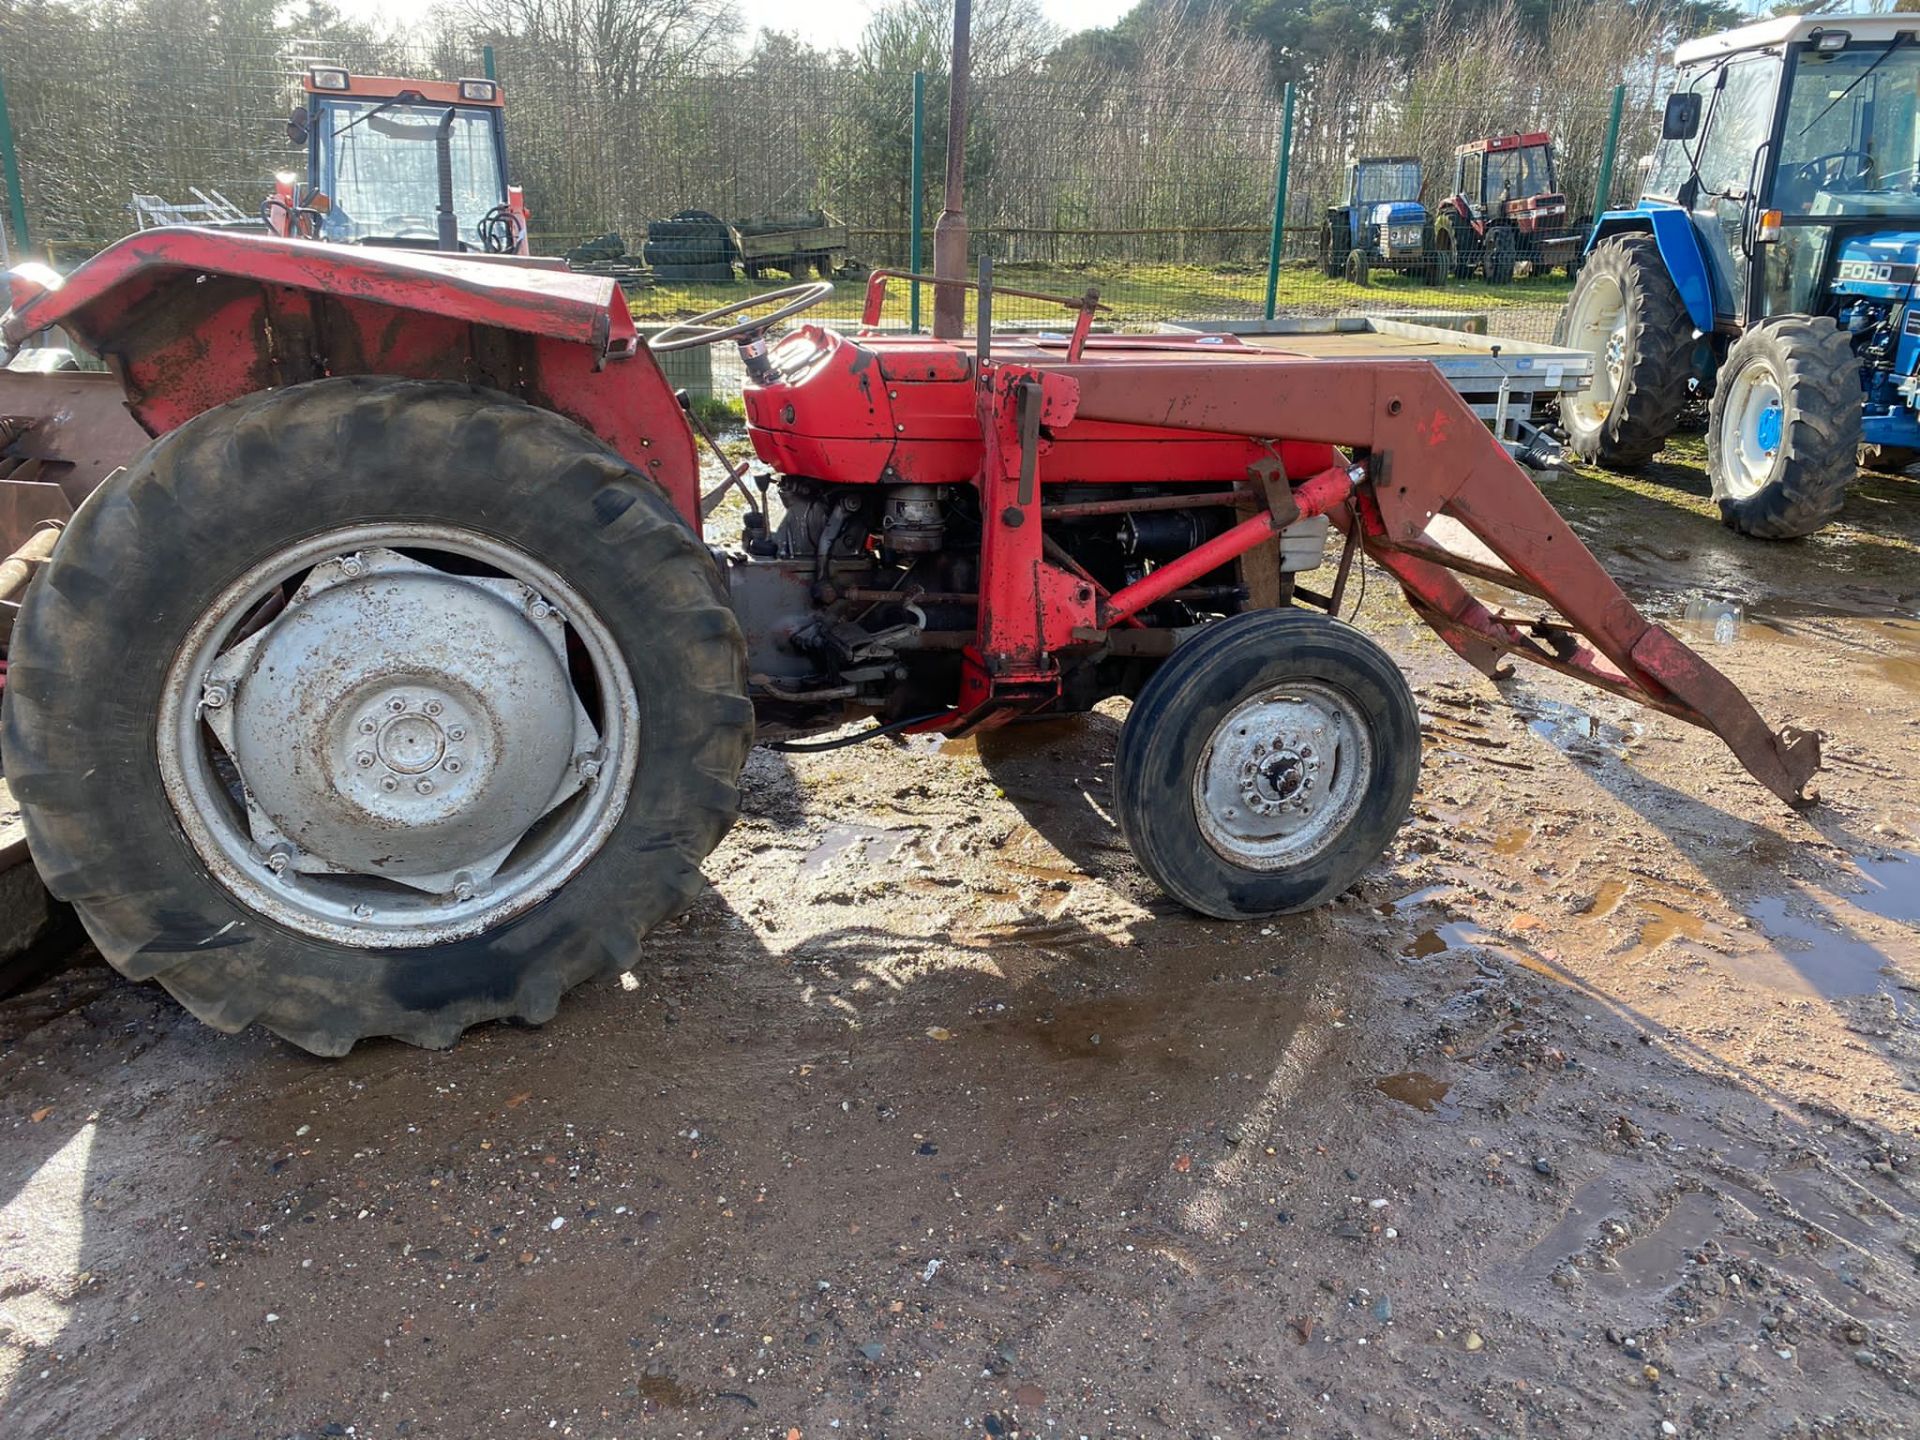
(486, 63)
(10, 163)
(1603, 187)
(1279, 198)
(914, 204)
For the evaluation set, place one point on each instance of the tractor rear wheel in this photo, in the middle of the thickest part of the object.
(1266, 764)
(1783, 430)
(1500, 257)
(375, 707)
(1333, 249)
(1626, 314)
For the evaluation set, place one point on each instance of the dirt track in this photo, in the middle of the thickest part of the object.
(1593, 1108)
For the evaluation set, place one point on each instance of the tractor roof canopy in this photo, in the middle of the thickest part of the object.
(1495, 143)
(337, 80)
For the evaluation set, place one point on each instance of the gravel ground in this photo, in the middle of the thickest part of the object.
(1589, 1112)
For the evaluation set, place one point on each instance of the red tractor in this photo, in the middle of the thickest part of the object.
(1506, 209)
(379, 674)
(418, 164)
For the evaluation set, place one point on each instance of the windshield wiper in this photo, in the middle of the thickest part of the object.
(405, 97)
(1898, 40)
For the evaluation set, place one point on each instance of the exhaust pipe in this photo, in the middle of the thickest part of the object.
(950, 231)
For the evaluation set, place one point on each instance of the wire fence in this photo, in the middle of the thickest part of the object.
(1162, 194)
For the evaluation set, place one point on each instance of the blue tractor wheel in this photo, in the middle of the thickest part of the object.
(1784, 428)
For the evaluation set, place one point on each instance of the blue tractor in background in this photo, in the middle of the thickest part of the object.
(1381, 225)
(1770, 265)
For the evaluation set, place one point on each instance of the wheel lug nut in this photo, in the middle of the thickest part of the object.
(352, 565)
(458, 732)
(279, 858)
(363, 912)
(433, 707)
(452, 764)
(214, 696)
(425, 787)
(364, 759)
(367, 727)
(387, 782)
(396, 704)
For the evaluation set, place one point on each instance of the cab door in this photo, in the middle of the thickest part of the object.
(1728, 165)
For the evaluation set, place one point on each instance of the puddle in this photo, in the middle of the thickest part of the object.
(1901, 671)
(1809, 957)
(866, 844)
(1607, 898)
(1413, 900)
(668, 1392)
(1194, 1029)
(1658, 1259)
(1664, 923)
(1427, 942)
(1512, 842)
(1422, 1091)
(1567, 726)
(1893, 887)
(1465, 935)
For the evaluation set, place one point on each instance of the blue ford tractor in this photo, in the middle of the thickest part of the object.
(1770, 264)
(1381, 225)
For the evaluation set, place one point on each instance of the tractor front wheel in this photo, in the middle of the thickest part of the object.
(1266, 764)
(1783, 431)
(375, 707)
(1357, 271)
(1626, 314)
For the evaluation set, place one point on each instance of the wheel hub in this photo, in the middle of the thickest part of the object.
(1281, 775)
(385, 751)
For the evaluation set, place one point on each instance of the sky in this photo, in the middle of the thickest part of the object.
(821, 23)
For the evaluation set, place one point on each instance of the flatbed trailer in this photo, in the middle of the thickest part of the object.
(1505, 381)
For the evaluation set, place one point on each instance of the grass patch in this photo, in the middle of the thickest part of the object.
(1145, 293)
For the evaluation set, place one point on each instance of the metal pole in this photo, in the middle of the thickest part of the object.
(915, 217)
(1603, 187)
(1279, 198)
(486, 63)
(950, 231)
(10, 163)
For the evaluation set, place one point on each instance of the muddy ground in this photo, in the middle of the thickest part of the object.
(1591, 1112)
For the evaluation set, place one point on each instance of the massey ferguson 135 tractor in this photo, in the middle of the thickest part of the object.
(1769, 264)
(382, 678)
(1506, 208)
(420, 164)
(1380, 224)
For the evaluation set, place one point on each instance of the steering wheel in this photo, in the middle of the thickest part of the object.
(403, 226)
(1818, 170)
(701, 329)
(499, 230)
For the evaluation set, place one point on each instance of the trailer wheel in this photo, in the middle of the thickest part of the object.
(1501, 256)
(1266, 764)
(1626, 313)
(373, 707)
(1783, 429)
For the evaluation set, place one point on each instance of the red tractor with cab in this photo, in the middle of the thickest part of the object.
(413, 164)
(1507, 209)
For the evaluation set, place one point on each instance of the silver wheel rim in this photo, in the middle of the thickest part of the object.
(1598, 326)
(1751, 426)
(430, 734)
(1282, 775)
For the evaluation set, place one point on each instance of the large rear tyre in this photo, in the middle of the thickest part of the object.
(1266, 764)
(1501, 256)
(374, 707)
(1333, 248)
(1783, 430)
(1626, 313)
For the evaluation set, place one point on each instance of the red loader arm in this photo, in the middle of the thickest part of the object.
(1430, 456)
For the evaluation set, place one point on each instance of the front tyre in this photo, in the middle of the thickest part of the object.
(425, 748)
(1783, 429)
(1626, 314)
(1266, 764)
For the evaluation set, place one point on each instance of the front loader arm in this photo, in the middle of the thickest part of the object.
(1430, 456)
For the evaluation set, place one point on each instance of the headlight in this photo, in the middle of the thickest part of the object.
(484, 91)
(327, 77)
(1404, 237)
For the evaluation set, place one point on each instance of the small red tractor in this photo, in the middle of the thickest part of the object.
(417, 164)
(1506, 209)
(378, 674)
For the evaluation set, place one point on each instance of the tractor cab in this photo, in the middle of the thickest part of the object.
(417, 164)
(1775, 245)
